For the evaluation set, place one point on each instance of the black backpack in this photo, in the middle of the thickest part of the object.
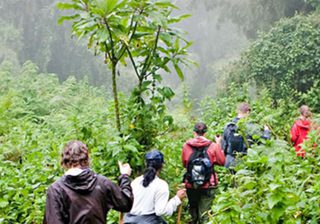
(234, 140)
(199, 168)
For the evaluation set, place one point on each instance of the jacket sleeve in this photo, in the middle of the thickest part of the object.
(54, 207)
(162, 205)
(184, 156)
(219, 154)
(294, 133)
(120, 197)
(224, 141)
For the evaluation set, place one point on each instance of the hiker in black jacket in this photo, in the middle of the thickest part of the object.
(233, 140)
(82, 196)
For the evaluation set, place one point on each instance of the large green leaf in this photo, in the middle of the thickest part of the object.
(179, 71)
(64, 18)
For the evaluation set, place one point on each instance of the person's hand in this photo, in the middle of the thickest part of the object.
(218, 139)
(124, 168)
(181, 194)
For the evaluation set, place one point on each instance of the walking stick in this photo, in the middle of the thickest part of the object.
(180, 206)
(121, 218)
(179, 214)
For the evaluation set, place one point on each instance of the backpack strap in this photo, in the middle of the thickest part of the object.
(203, 149)
(194, 151)
(229, 128)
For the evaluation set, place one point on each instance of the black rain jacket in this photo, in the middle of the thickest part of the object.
(86, 198)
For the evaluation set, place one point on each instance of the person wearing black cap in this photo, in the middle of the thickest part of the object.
(199, 155)
(151, 194)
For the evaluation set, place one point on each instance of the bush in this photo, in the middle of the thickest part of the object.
(286, 59)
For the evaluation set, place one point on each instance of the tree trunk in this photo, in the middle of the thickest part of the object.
(115, 97)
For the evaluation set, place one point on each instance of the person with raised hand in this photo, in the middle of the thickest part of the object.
(82, 196)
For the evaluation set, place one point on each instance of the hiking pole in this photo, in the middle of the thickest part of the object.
(121, 218)
(180, 206)
(179, 214)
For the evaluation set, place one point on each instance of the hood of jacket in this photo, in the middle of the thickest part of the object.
(199, 141)
(305, 124)
(82, 183)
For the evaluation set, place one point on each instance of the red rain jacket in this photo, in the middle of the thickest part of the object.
(215, 154)
(299, 133)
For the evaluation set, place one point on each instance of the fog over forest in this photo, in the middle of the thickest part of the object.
(219, 30)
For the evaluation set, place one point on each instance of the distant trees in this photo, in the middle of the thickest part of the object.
(254, 15)
(286, 59)
(29, 31)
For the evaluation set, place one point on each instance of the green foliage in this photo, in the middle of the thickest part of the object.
(273, 186)
(38, 115)
(314, 3)
(138, 31)
(286, 59)
(311, 97)
(147, 118)
(218, 112)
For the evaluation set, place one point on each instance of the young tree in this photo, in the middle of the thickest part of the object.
(126, 29)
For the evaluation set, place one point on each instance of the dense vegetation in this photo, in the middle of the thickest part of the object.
(286, 59)
(39, 114)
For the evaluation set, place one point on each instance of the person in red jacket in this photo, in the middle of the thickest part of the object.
(300, 129)
(200, 153)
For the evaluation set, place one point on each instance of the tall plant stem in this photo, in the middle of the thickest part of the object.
(115, 96)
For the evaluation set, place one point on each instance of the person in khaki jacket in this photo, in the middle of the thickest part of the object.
(82, 196)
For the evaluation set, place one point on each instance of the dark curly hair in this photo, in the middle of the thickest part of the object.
(75, 153)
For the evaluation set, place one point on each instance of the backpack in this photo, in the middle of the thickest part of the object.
(234, 140)
(199, 168)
